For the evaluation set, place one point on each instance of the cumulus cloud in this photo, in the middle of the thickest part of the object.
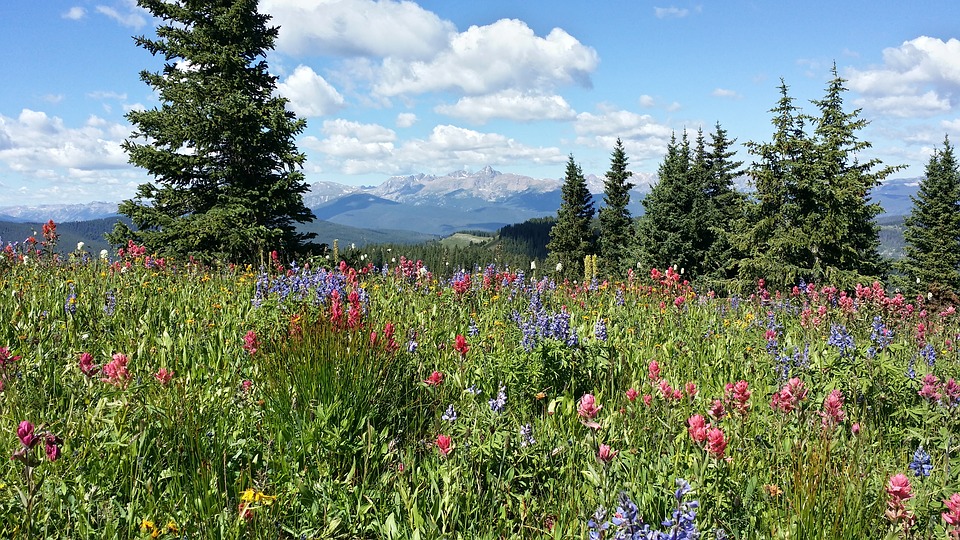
(52, 98)
(921, 77)
(35, 142)
(511, 105)
(358, 28)
(309, 94)
(486, 59)
(725, 93)
(356, 148)
(75, 13)
(643, 137)
(405, 120)
(671, 12)
(130, 15)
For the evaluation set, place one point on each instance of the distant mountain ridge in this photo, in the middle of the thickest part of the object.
(485, 200)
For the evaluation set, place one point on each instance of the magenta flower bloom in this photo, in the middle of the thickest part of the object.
(790, 396)
(899, 488)
(87, 366)
(164, 375)
(250, 343)
(116, 372)
(26, 435)
(716, 442)
(952, 517)
(52, 447)
(833, 413)
(632, 394)
(588, 408)
(605, 454)
(739, 395)
(444, 445)
(697, 429)
(653, 370)
(435, 379)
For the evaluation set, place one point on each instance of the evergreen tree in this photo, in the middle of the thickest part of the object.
(667, 231)
(616, 225)
(932, 229)
(725, 206)
(571, 237)
(774, 236)
(221, 146)
(846, 236)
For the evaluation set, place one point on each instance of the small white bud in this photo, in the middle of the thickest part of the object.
(79, 246)
(103, 254)
(533, 265)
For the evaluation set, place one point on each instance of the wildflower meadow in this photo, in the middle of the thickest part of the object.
(143, 397)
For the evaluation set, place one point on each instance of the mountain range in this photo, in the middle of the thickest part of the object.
(429, 205)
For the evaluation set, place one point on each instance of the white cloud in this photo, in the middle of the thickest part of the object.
(670, 12)
(131, 16)
(104, 94)
(510, 104)
(405, 120)
(358, 28)
(725, 93)
(309, 94)
(485, 59)
(907, 106)
(52, 98)
(355, 148)
(921, 77)
(35, 142)
(642, 136)
(75, 13)
(646, 101)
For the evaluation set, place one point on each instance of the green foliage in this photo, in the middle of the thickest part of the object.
(325, 424)
(932, 234)
(668, 230)
(812, 217)
(572, 237)
(616, 226)
(221, 146)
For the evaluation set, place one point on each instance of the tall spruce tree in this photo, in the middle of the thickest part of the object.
(571, 237)
(774, 237)
(725, 206)
(932, 231)
(846, 234)
(667, 232)
(616, 225)
(221, 146)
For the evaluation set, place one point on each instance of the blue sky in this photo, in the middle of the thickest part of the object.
(392, 88)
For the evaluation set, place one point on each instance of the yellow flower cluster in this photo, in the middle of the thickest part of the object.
(147, 526)
(256, 497)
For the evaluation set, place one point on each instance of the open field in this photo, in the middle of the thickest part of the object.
(171, 400)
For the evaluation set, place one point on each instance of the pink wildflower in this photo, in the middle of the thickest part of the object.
(250, 342)
(605, 454)
(461, 346)
(52, 447)
(738, 394)
(647, 399)
(435, 379)
(833, 409)
(443, 444)
(116, 371)
(690, 388)
(632, 394)
(87, 366)
(790, 396)
(931, 388)
(26, 435)
(588, 408)
(952, 516)
(716, 442)
(164, 375)
(697, 429)
(653, 370)
(717, 410)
